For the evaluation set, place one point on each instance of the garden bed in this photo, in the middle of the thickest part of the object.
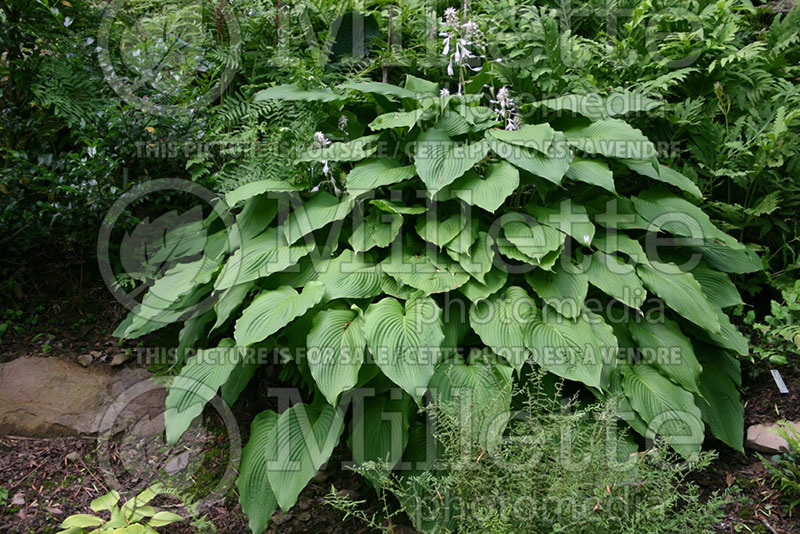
(50, 479)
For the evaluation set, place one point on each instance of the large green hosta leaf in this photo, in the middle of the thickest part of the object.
(501, 322)
(176, 282)
(490, 190)
(396, 119)
(196, 385)
(728, 337)
(717, 286)
(379, 88)
(396, 208)
(354, 150)
(720, 405)
(593, 172)
(478, 260)
(476, 291)
(378, 229)
(229, 301)
(681, 292)
(272, 310)
(405, 341)
(258, 187)
(322, 209)
(297, 446)
(396, 289)
(263, 255)
(534, 136)
(575, 350)
(379, 430)
(725, 258)
(374, 173)
(564, 288)
(596, 106)
(439, 232)
(616, 279)
(662, 173)
(533, 239)
(463, 241)
(258, 212)
(570, 218)
(350, 276)
(452, 123)
(551, 167)
(483, 386)
(671, 213)
(663, 345)
(255, 494)
(612, 138)
(425, 273)
(335, 351)
(171, 297)
(611, 242)
(439, 160)
(668, 409)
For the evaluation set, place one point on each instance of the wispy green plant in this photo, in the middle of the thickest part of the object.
(562, 466)
(784, 468)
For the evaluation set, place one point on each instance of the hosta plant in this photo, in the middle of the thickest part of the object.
(135, 516)
(446, 242)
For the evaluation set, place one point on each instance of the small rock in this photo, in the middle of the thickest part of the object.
(54, 510)
(95, 354)
(72, 457)
(177, 464)
(304, 516)
(763, 437)
(280, 518)
(18, 499)
(119, 359)
(85, 360)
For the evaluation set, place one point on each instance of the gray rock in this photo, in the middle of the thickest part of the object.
(177, 464)
(85, 360)
(18, 499)
(48, 397)
(763, 438)
(120, 358)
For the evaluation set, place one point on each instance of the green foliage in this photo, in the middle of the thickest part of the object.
(445, 275)
(135, 516)
(714, 87)
(561, 467)
(779, 333)
(784, 469)
(69, 145)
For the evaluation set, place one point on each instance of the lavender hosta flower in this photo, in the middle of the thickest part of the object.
(463, 35)
(320, 142)
(451, 17)
(342, 124)
(336, 190)
(514, 123)
(445, 92)
(506, 109)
